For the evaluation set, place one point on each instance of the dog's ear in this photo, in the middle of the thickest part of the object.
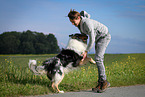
(71, 35)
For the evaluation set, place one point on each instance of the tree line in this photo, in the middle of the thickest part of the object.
(28, 42)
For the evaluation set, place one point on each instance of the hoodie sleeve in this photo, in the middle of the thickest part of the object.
(89, 28)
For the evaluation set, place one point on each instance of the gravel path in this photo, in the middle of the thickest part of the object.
(129, 91)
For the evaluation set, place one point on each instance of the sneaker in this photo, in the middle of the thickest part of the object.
(95, 89)
(101, 87)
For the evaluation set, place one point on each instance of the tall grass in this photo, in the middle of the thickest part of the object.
(17, 79)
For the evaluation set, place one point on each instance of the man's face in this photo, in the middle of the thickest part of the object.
(75, 22)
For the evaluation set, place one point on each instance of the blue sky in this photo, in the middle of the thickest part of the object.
(124, 18)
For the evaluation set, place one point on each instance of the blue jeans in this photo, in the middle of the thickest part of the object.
(100, 47)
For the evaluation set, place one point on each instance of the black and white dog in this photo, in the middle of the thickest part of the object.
(66, 60)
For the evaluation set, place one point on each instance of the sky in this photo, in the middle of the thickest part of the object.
(125, 20)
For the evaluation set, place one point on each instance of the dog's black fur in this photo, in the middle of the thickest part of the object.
(65, 57)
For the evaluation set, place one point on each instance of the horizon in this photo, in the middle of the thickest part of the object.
(125, 20)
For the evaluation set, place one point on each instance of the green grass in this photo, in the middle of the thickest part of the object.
(16, 79)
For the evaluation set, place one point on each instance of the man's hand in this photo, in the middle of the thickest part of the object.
(84, 55)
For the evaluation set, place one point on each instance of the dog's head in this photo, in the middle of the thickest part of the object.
(79, 37)
(77, 42)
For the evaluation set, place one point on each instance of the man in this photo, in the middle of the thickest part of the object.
(98, 34)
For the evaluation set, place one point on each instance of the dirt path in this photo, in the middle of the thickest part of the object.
(129, 91)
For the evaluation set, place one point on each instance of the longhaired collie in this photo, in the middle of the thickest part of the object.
(69, 58)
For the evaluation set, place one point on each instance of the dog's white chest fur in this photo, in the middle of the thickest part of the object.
(76, 45)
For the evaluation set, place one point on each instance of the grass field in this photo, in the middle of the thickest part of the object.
(17, 80)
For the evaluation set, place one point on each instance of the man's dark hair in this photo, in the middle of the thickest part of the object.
(73, 14)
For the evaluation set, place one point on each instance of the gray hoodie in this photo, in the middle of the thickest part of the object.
(93, 28)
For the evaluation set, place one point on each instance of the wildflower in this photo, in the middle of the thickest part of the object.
(121, 62)
(133, 58)
(128, 57)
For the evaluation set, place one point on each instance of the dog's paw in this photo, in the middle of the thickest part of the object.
(61, 91)
(92, 61)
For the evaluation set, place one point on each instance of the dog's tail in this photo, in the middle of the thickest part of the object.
(37, 70)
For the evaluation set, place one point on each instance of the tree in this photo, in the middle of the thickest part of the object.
(27, 48)
(53, 43)
(27, 42)
(9, 43)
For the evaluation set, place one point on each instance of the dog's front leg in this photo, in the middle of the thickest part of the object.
(55, 87)
(56, 83)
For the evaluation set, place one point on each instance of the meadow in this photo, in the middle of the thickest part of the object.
(17, 80)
